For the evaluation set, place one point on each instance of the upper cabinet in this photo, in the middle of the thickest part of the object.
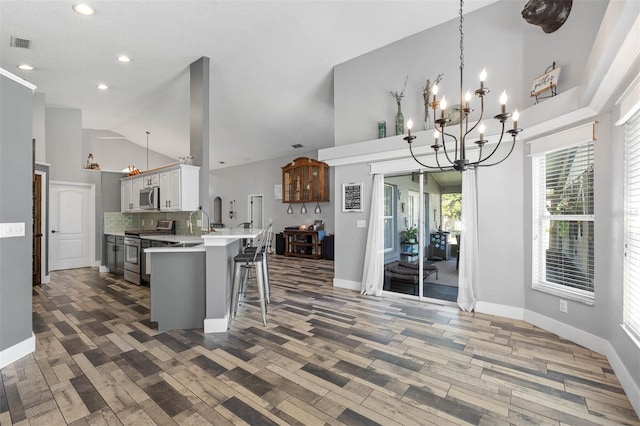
(305, 180)
(129, 194)
(179, 188)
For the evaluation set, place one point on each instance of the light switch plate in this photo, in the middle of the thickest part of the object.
(361, 223)
(8, 230)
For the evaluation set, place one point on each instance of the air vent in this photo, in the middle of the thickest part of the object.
(22, 43)
(297, 146)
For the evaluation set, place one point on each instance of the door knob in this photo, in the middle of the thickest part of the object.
(53, 231)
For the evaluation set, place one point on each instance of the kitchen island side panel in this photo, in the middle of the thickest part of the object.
(178, 290)
(219, 280)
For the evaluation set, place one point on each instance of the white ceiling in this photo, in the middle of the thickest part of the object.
(270, 61)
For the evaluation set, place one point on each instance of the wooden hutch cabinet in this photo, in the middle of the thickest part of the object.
(305, 180)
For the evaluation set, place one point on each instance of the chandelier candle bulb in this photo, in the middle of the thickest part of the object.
(503, 102)
(481, 130)
(443, 106)
(409, 125)
(483, 77)
(467, 99)
(434, 90)
(515, 118)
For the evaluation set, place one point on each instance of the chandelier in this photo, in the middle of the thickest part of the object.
(455, 148)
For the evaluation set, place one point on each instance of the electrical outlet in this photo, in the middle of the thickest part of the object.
(8, 230)
(199, 223)
(563, 306)
(361, 223)
(142, 222)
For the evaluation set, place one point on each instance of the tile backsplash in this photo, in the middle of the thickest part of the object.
(120, 222)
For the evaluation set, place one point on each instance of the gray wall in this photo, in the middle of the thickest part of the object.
(38, 127)
(362, 85)
(237, 183)
(116, 154)
(504, 192)
(64, 144)
(16, 157)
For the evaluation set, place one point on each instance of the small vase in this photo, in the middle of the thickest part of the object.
(399, 121)
(427, 118)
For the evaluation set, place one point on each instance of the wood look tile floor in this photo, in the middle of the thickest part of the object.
(327, 356)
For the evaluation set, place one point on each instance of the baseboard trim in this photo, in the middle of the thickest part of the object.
(17, 351)
(104, 269)
(348, 284)
(500, 310)
(630, 387)
(46, 279)
(593, 343)
(216, 325)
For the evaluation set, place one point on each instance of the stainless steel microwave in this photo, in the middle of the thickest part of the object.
(150, 198)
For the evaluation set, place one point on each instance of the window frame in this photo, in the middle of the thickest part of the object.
(541, 221)
(631, 231)
(390, 219)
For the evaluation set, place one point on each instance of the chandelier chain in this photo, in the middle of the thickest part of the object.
(461, 36)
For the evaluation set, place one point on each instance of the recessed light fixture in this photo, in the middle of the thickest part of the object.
(124, 58)
(102, 86)
(221, 162)
(25, 67)
(83, 9)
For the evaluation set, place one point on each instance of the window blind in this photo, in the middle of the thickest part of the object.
(631, 290)
(563, 218)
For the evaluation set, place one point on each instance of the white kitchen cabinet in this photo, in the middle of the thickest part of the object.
(130, 194)
(137, 185)
(151, 180)
(180, 188)
(126, 195)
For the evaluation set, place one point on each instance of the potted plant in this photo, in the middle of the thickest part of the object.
(410, 234)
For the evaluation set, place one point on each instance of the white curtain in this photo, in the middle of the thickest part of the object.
(468, 268)
(372, 274)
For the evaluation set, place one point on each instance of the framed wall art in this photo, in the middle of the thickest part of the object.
(352, 197)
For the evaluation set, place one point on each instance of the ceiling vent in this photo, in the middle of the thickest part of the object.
(297, 146)
(22, 43)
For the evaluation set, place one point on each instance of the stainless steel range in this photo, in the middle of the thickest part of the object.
(133, 256)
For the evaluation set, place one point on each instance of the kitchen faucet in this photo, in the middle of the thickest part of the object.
(202, 219)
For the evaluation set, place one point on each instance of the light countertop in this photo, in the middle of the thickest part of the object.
(176, 239)
(176, 249)
(225, 236)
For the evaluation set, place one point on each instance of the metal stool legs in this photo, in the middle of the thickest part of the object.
(240, 278)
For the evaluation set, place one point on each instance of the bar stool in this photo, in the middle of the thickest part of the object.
(265, 249)
(244, 262)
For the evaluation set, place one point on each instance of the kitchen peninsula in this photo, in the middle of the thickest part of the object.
(191, 286)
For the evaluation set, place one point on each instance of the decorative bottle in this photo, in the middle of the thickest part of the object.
(399, 120)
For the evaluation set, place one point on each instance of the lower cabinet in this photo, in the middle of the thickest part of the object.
(114, 254)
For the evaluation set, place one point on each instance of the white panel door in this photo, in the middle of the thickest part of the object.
(71, 223)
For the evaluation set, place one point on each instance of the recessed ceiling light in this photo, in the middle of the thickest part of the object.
(123, 58)
(83, 9)
(25, 67)
(102, 86)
